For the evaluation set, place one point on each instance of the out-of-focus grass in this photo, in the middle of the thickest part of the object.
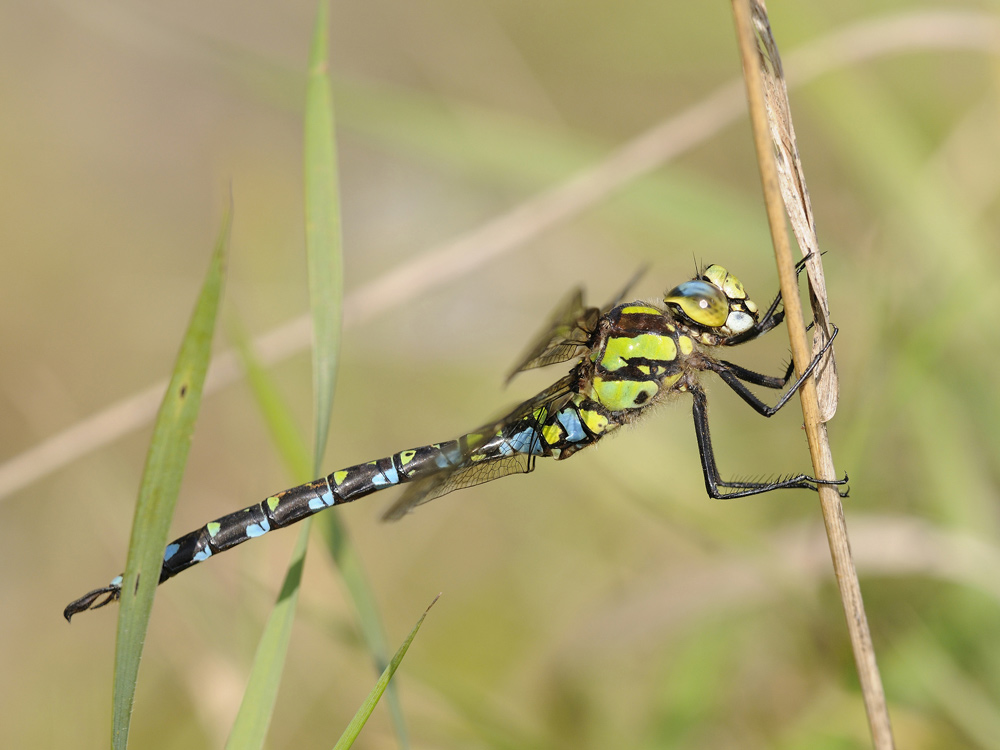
(118, 133)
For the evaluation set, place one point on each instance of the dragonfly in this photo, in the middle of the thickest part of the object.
(630, 356)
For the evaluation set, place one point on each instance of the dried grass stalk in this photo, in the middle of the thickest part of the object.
(785, 189)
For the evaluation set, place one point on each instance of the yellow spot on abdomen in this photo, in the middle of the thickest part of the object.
(551, 434)
(595, 421)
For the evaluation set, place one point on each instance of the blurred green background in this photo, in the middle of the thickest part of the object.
(601, 602)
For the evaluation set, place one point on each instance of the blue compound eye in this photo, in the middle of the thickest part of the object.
(701, 302)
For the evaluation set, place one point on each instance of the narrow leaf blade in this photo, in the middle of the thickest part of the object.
(250, 728)
(323, 236)
(323, 245)
(323, 250)
(160, 486)
(361, 717)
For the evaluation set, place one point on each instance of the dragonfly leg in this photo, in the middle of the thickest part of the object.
(736, 378)
(719, 488)
(772, 316)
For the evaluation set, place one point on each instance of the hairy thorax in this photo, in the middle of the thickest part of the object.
(638, 356)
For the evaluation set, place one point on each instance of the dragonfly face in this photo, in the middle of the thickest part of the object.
(715, 300)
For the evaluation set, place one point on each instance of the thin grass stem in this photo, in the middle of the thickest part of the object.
(816, 434)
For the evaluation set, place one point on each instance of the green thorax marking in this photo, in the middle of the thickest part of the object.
(639, 358)
(652, 346)
(640, 310)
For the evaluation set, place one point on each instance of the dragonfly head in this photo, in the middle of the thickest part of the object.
(716, 299)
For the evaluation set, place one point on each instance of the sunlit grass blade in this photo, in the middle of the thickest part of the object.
(161, 481)
(323, 236)
(254, 716)
(250, 728)
(361, 717)
(277, 415)
(323, 248)
(348, 562)
(257, 706)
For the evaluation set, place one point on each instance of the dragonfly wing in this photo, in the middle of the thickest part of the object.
(444, 482)
(566, 335)
(475, 469)
(569, 330)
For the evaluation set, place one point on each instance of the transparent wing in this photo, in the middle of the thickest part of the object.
(567, 335)
(442, 483)
(569, 330)
(471, 470)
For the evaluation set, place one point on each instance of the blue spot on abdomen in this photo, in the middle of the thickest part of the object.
(258, 529)
(524, 442)
(569, 419)
(389, 476)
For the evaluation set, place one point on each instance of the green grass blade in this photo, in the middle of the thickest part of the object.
(323, 239)
(361, 717)
(348, 562)
(323, 249)
(250, 728)
(278, 417)
(323, 245)
(160, 486)
(257, 706)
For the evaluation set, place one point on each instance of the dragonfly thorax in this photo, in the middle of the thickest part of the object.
(638, 353)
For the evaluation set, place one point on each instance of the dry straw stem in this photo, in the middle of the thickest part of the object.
(747, 19)
(920, 30)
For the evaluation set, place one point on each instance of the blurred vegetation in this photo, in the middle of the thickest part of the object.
(601, 602)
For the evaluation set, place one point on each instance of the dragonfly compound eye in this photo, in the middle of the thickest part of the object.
(701, 302)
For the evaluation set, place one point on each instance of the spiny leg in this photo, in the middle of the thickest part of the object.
(714, 482)
(734, 376)
(771, 318)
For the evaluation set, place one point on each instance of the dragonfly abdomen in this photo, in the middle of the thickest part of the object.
(294, 504)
